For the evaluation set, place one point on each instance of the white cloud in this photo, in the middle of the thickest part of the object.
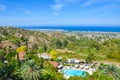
(106, 6)
(59, 4)
(88, 3)
(94, 2)
(2, 7)
(57, 7)
(103, 8)
(107, 9)
(56, 13)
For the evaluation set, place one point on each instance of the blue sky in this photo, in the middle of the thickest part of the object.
(59, 12)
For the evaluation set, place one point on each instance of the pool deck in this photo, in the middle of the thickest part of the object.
(90, 71)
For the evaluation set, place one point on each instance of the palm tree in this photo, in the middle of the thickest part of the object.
(113, 71)
(18, 43)
(30, 71)
(98, 75)
(90, 57)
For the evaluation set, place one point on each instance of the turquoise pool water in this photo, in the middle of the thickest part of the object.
(74, 72)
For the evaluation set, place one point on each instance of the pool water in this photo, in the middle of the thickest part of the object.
(74, 72)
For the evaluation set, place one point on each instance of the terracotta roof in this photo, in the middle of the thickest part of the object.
(21, 55)
(55, 64)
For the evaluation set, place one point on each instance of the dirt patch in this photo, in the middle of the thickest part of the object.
(65, 50)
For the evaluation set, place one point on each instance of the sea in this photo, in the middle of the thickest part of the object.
(74, 28)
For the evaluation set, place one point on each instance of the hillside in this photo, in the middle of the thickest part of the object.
(72, 44)
(12, 36)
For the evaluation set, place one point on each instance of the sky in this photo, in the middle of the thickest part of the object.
(59, 12)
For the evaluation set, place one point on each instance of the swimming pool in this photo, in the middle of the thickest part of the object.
(74, 72)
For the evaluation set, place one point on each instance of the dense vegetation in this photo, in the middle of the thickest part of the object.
(14, 40)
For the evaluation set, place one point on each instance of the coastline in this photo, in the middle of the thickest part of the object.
(74, 28)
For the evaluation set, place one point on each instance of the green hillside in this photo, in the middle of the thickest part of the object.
(80, 44)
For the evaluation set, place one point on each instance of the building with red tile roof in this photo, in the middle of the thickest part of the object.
(21, 55)
(55, 64)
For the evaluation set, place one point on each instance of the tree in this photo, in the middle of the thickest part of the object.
(39, 51)
(95, 45)
(90, 58)
(58, 44)
(48, 72)
(98, 75)
(7, 71)
(48, 50)
(76, 78)
(39, 62)
(5, 32)
(35, 47)
(65, 42)
(44, 48)
(59, 76)
(30, 71)
(30, 55)
(20, 50)
(70, 46)
(53, 54)
(0, 42)
(26, 43)
(17, 42)
(11, 55)
(112, 70)
(2, 55)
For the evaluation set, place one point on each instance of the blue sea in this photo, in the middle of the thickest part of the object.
(75, 28)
